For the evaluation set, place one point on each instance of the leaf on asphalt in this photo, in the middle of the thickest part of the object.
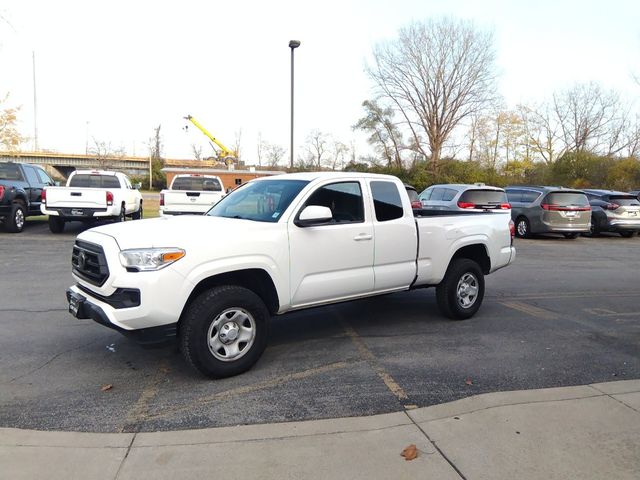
(468, 381)
(410, 452)
(106, 387)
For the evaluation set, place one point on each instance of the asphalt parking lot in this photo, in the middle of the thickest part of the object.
(566, 313)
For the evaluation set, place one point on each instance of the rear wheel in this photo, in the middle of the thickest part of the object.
(522, 227)
(626, 234)
(56, 224)
(224, 331)
(571, 236)
(461, 291)
(15, 220)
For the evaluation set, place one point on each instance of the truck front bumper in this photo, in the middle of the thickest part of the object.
(103, 310)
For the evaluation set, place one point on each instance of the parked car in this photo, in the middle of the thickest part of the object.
(191, 194)
(323, 238)
(413, 196)
(636, 193)
(614, 212)
(91, 195)
(537, 209)
(464, 197)
(21, 186)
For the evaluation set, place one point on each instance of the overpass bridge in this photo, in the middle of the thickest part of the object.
(62, 164)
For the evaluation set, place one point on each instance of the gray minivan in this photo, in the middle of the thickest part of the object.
(537, 209)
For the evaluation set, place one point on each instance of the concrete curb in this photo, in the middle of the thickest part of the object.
(548, 433)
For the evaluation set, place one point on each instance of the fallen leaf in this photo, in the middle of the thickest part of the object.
(468, 381)
(410, 452)
(106, 387)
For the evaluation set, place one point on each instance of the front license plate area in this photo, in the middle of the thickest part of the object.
(76, 303)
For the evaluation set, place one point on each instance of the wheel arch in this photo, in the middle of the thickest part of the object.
(255, 279)
(476, 252)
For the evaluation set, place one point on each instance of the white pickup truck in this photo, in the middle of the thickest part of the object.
(91, 195)
(192, 194)
(290, 242)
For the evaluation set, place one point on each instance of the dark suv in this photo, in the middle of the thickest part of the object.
(549, 210)
(614, 212)
(21, 187)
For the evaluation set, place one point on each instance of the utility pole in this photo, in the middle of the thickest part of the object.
(293, 44)
(35, 104)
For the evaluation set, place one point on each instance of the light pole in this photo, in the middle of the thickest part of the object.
(293, 44)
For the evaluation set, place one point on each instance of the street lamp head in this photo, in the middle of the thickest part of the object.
(294, 44)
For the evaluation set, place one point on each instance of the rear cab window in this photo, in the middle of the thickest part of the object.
(84, 180)
(203, 184)
(386, 200)
(10, 171)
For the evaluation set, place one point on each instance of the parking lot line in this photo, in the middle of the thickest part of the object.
(371, 359)
(605, 312)
(274, 382)
(552, 295)
(140, 410)
(531, 310)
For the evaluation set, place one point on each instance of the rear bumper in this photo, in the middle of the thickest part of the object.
(80, 213)
(168, 213)
(564, 228)
(625, 225)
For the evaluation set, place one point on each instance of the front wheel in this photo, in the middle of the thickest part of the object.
(522, 227)
(224, 331)
(461, 291)
(56, 224)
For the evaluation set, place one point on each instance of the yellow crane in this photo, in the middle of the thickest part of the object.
(224, 154)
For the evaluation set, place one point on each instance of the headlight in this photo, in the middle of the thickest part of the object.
(149, 259)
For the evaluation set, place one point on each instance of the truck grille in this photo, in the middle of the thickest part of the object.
(89, 262)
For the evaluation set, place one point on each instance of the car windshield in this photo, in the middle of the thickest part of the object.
(567, 199)
(262, 201)
(484, 197)
(197, 183)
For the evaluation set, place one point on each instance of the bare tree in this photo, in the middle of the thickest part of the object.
(197, 151)
(543, 133)
(585, 114)
(339, 154)
(317, 146)
(105, 153)
(260, 148)
(437, 73)
(274, 153)
(237, 143)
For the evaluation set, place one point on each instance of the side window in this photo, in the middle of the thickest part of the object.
(514, 195)
(127, 183)
(528, 196)
(426, 194)
(30, 172)
(386, 200)
(344, 199)
(437, 194)
(44, 178)
(448, 194)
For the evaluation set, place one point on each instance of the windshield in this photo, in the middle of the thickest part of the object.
(262, 201)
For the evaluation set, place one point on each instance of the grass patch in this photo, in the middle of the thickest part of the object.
(151, 209)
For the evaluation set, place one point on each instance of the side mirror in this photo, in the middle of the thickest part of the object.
(137, 186)
(314, 215)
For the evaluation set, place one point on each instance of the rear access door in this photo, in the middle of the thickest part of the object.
(566, 211)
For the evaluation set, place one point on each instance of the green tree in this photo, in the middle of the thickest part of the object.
(10, 138)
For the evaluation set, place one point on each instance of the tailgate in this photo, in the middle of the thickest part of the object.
(186, 201)
(70, 197)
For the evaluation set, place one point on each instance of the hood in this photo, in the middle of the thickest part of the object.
(181, 231)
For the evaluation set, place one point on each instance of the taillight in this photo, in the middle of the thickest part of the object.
(611, 206)
(546, 206)
(162, 199)
(505, 206)
(466, 205)
(416, 204)
(512, 230)
(43, 197)
(1, 192)
(109, 199)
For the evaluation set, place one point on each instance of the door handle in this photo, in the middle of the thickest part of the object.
(363, 236)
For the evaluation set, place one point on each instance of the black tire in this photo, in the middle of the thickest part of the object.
(594, 231)
(626, 234)
(571, 236)
(137, 215)
(56, 224)
(450, 299)
(523, 229)
(200, 324)
(14, 222)
(122, 216)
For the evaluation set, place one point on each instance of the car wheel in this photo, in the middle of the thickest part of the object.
(571, 236)
(460, 293)
(626, 234)
(594, 231)
(224, 331)
(137, 215)
(16, 218)
(56, 224)
(522, 227)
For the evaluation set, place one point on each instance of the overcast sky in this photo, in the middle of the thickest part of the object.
(114, 70)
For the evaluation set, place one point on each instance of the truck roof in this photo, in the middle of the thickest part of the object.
(309, 176)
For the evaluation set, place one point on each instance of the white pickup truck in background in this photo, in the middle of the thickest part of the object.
(290, 242)
(91, 195)
(191, 194)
